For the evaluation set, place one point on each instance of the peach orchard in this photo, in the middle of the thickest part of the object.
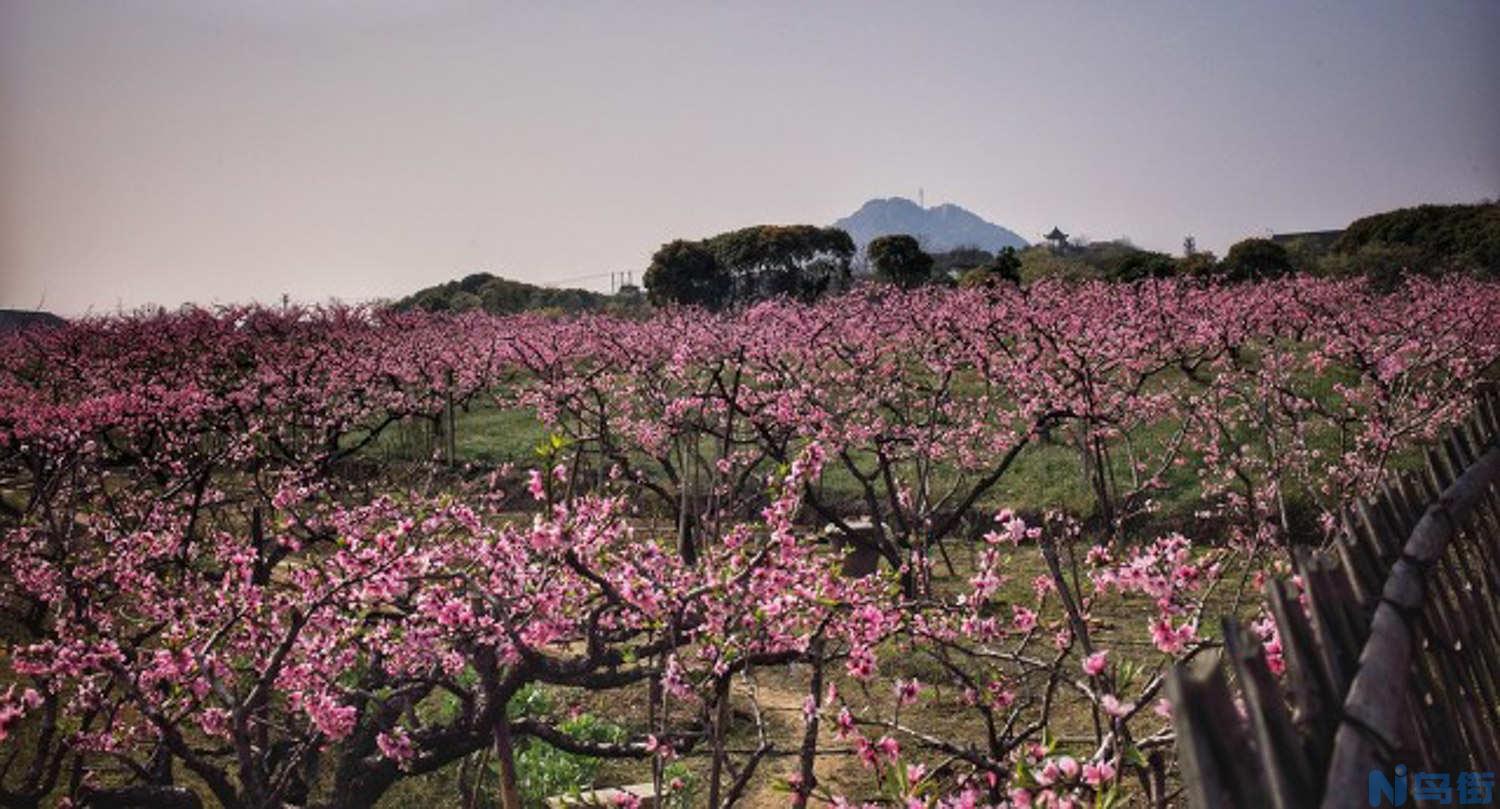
(217, 589)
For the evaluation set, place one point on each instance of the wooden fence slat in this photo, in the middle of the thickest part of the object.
(1392, 647)
(1202, 776)
(1227, 737)
(1314, 705)
(1283, 759)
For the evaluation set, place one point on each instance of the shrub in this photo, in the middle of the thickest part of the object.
(1255, 260)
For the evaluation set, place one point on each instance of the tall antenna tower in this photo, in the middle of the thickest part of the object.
(921, 197)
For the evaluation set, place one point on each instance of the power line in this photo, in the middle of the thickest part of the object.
(574, 278)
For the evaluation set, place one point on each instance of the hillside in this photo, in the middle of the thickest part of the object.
(940, 228)
(17, 319)
(502, 296)
(1449, 236)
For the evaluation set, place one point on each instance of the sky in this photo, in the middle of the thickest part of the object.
(212, 152)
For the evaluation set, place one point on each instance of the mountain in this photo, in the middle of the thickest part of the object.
(939, 229)
(17, 319)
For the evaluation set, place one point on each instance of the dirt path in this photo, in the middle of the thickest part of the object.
(781, 705)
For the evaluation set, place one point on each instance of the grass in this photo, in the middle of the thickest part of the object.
(492, 436)
(1046, 475)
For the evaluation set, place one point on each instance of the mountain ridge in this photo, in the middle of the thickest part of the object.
(939, 228)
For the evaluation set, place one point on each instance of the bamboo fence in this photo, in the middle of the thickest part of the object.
(1391, 645)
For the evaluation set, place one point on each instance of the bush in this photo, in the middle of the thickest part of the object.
(1198, 265)
(1255, 260)
(1140, 264)
(1383, 264)
(543, 770)
(1038, 263)
(1005, 268)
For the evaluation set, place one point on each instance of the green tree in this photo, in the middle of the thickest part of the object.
(464, 301)
(1384, 265)
(474, 282)
(764, 261)
(1255, 260)
(499, 296)
(959, 260)
(687, 273)
(1198, 264)
(1004, 268)
(898, 259)
(1119, 260)
(503, 296)
(1007, 265)
(1042, 262)
(1139, 264)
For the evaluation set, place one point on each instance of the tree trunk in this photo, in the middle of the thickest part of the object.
(720, 730)
(807, 757)
(505, 756)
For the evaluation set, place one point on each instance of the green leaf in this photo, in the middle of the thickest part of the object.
(1023, 777)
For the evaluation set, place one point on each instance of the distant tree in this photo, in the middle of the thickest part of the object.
(1384, 265)
(960, 260)
(1135, 265)
(687, 273)
(500, 296)
(1103, 257)
(1255, 260)
(1306, 254)
(503, 296)
(1041, 262)
(628, 301)
(1005, 268)
(1007, 264)
(474, 282)
(464, 301)
(802, 261)
(432, 299)
(899, 259)
(1189, 245)
(1198, 264)
(986, 277)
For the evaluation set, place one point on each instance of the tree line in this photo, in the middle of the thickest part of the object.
(804, 262)
(726, 270)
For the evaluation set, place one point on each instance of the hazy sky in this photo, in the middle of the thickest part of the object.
(213, 152)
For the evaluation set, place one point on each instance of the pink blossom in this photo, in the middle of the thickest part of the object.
(1096, 775)
(1023, 619)
(1114, 707)
(1094, 664)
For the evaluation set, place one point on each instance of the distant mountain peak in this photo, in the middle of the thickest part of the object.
(939, 228)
